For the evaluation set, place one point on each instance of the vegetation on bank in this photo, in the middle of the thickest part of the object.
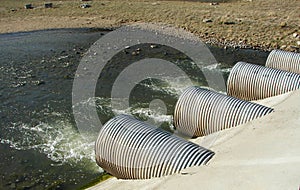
(255, 23)
(104, 176)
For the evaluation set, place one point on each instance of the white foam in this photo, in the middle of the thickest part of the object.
(61, 142)
(153, 115)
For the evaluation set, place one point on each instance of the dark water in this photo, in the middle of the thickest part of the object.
(40, 147)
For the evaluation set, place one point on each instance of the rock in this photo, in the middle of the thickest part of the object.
(206, 20)
(48, 5)
(292, 48)
(283, 46)
(214, 3)
(84, 6)
(295, 47)
(155, 3)
(295, 35)
(283, 24)
(229, 22)
(240, 19)
(298, 43)
(153, 46)
(38, 82)
(134, 53)
(28, 6)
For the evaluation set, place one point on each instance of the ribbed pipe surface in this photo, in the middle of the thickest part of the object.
(200, 112)
(131, 149)
(284, 60)
(252, 82)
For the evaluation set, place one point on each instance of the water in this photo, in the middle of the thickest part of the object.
(40, 146)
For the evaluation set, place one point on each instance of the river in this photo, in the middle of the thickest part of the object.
(40, 146)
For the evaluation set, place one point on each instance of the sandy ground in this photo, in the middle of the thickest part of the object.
(262, 154)
(31, 23)
(240, 23)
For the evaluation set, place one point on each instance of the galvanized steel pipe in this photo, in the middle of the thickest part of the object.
(131, 149)
(200, 112)
(252, 82)
(284, 60)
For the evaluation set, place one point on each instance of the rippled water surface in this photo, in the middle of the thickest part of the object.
(40, 146)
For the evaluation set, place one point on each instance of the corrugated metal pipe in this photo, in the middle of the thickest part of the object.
(131, 149)
(253, 82)
(200, 112)
(284, 60)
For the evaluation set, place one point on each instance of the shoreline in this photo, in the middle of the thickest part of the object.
(210, 42)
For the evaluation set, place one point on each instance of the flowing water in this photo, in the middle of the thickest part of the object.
(40, 146)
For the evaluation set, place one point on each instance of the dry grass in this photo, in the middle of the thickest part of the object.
(261, 23)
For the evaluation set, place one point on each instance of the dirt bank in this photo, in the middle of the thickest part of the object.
(247, 23)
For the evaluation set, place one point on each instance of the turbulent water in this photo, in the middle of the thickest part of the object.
(40, 146)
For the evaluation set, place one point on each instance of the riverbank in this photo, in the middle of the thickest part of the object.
(255, 24)
(262, 154)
